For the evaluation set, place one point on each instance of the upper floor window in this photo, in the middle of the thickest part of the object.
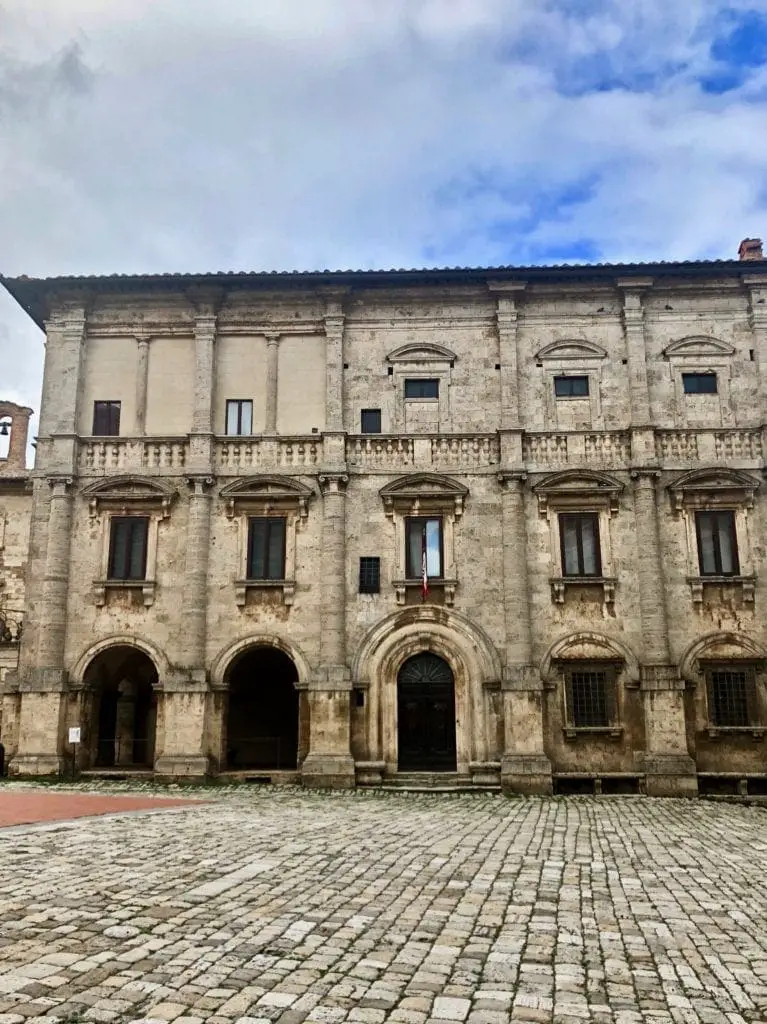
(370, 575)
(423, 547)
(128, 537)
(417, 387)
(731, 697)
(106, 419)
(717, 543)
(370, 421)
(239, 416)
(575, 386)
(579, 538)
(266, 548)
(699, 383)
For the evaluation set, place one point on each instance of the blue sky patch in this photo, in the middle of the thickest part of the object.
(739, 47)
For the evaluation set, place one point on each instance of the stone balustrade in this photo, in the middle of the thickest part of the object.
(543, 451)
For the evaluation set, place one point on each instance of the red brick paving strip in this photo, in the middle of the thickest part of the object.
(29, 806)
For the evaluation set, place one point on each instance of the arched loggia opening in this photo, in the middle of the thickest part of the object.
(262, 711)
(426, 715)
(122, 709)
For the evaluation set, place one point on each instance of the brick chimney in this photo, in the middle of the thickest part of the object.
(750, 249)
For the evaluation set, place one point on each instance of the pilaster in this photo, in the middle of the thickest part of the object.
(62, 386)
(636, 353)
(757, 295)
(195, 602)
(525, 768)
(142, 380)
(272, 382)
(205, 326)
(334, 360)
(507, 295)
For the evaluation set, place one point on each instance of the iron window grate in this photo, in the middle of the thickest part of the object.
(588, 699)
(730, 692)
(370, 575)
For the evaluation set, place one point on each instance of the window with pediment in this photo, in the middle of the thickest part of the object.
(131, 511)
(424, 509)
(715, 508)
(579, 506)
(700, 370)
(572, 371)
(268, 513)
(420, 374)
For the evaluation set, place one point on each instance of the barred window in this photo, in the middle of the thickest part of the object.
(266, 548)
(589, 697)
(730, 697)
(717, 543)
(128, 547)
(370, 575)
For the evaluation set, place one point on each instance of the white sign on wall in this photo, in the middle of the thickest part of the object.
(74, 735)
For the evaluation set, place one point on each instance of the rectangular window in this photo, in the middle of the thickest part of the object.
(571, 387)
(418, 388)
(699, 383)
(579, 537)
(239, 416)
(730, 697)
(589, 698)
(371, 421)
(370, 575)
(717, 543)
(266, 548)
(127, 547)
(424, 541)
(106, 419)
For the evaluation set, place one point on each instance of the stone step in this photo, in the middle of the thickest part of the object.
(435, 782)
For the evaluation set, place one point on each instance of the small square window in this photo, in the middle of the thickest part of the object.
(589, 698)
(239, 416)
(106, 419)
(699, 383)
(420, 388)
(370, 421)
(266, 548)
(571, 387)
(370, 575)
(730, 697)
(128, 547)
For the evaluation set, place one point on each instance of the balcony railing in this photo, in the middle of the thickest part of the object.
(542, 451)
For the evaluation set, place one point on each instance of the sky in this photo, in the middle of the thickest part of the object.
(183, 135)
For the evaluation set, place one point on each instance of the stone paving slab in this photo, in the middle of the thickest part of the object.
(283, 905)
(27, 806)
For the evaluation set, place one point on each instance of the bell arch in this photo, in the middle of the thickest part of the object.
(462, 645)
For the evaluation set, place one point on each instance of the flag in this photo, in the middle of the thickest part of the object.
(424, 575)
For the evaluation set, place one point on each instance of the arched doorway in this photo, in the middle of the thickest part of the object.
(120, 730)
(426, 715)
(262, 712)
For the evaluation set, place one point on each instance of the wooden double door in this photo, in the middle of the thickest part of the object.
(426, 715)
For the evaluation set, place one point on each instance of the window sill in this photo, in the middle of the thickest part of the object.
(559, 586)
(447, 588)
(241, 588)
(147, 588)
(746, 583)
(573, 732)
(756, 731)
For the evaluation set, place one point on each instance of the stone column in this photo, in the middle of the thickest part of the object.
(272, 381)
(329, 761)
(525, 768)
(125, 723)
(205, 325)
(42, 681)
(669, 768)
(507, 295)
(757, 293)
(642, 431)
(142, 377)
(334, 362)
(188, 743)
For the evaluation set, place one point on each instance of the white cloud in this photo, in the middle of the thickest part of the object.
(143, 135)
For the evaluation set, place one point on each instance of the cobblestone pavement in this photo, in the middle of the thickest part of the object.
(286, 906)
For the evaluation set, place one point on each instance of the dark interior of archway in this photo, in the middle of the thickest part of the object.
(426, 715)
(262, 720)
(121, 680)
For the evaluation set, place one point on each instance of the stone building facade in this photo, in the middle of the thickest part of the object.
(494, 527)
